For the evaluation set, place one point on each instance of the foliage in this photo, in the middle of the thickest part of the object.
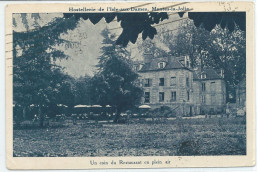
(135, 23)
(37, 80)
(148, 46)
(227, 50)
(81, 90)
(225, 19)
(132, 23)
(114, 83)
(219, 49)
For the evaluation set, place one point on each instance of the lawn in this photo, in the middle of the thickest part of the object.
(211, 136)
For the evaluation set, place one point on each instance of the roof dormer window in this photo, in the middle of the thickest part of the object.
(141, 66)
(203, 76)
(138, 67)
(161, 65)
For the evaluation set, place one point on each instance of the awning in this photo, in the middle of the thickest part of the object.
(144, 107)
(97, 106)
(82, 106)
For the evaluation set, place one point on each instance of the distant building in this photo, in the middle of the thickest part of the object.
(170, 81)
(241, 94)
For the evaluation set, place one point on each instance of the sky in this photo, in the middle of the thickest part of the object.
(83, 55)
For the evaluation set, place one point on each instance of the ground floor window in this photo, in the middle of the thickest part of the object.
(147, 97)
(161, 96)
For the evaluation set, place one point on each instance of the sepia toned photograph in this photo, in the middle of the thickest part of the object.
(138, 81)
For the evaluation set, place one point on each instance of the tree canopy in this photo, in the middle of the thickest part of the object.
(115, 82)
(135, 23)
(37, 80)
(218, 49)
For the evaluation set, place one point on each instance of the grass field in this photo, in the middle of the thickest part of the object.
(214, 136)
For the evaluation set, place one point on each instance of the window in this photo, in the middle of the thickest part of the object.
(161, 82)
(203, 76)
(161, 65)
(147, 82)
(173, 81)
(161, 96)
(187, 63)
(188, 96)
(173, 96)
(187, 82)
(136, 68)
(147, 97)
(203, 99)
(203, 86)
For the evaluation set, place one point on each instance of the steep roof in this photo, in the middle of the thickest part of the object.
(177, 63)
(211, 74)
(171, 63)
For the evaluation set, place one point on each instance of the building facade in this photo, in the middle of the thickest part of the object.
(170, 81)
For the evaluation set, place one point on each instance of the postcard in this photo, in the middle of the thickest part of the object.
(109, 85)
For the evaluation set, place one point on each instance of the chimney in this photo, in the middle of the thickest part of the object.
(148, 57)
(187, 61)
(222, 73)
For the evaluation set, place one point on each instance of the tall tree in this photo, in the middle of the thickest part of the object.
(227, 50)
(219, 49)
(36, 77)
(81, 90)
(115, 82)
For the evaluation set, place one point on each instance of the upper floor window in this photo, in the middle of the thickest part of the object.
(188, 96)
(203, 86)
(161, 82)
(187, 63)
(173, 81)
(187, 82)
(173, 96)
(148, 82)
(161, 65)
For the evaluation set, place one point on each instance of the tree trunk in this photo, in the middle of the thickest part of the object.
(118, 112)
(24, 113)
(41, 117)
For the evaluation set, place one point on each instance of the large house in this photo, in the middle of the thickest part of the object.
(170, 81)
